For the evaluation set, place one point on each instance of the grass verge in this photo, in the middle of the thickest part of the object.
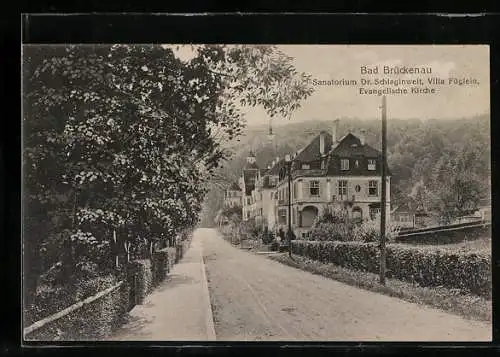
(450, 300)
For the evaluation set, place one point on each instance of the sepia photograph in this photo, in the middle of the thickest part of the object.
(213, 192)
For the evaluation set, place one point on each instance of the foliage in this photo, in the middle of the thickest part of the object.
(267, 237)
(124, 138)
(92, 321)
(333, 224)
(275, 246)
(369, 231)
(469, 272)
(443, 164)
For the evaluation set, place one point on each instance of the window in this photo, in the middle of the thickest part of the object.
(356, 163)
(314, 188)
(371, 165)
(306, 235)
(342, 188)
(357, 188)
(294, 190)
(373, 188)
(306, 166)
(374, 212)
(282, 216)
(344, 164)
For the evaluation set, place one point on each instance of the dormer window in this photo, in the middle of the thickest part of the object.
(344, 164)
(371, 165)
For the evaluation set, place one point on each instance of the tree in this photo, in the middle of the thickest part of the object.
(124, 138)
(456, 187)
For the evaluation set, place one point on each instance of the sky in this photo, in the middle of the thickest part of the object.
(336, 62)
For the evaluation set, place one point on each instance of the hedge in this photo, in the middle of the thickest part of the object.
(91, 319)
(172, 253)
(468, 272)
(144, 278)
(159, 266)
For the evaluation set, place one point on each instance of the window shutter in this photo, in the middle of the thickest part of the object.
(336, 189)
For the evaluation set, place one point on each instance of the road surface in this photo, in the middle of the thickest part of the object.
(254, 298)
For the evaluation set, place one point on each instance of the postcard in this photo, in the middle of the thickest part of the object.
(202, 192)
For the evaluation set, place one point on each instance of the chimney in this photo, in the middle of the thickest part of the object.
(335, 129)
(322, 143)
(362, 135)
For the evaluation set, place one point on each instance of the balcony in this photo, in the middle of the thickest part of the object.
(310, 198)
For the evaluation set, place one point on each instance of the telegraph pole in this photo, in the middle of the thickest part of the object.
(290, 209)
(383, 192)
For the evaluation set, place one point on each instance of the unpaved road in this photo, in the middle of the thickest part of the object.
(254, 298)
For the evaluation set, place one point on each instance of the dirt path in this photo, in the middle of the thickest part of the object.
(254, 298)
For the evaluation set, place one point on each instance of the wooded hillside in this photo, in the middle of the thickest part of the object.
(441, 164)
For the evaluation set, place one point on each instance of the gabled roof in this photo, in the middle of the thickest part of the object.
(311, 151)
(350, 146)
(404, 208)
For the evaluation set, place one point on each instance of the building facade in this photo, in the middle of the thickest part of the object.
(329, 172)
(232, 196)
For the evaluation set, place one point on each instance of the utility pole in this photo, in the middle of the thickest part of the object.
(288, 160)
(383, 192)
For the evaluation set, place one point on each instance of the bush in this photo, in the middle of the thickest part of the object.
(466, 271)
(159, 265)
(275, 246)
(369, 231)
(267, 237)
(172, 253)
(333, 225)
(91, 321)
(144, 285)
(331, 232)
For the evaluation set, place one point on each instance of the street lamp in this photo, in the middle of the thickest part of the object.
(288, 161)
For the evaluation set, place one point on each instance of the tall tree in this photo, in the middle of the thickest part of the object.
(125, 137)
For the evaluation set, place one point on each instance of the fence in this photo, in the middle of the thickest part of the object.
(97, 316)
(445, 234)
